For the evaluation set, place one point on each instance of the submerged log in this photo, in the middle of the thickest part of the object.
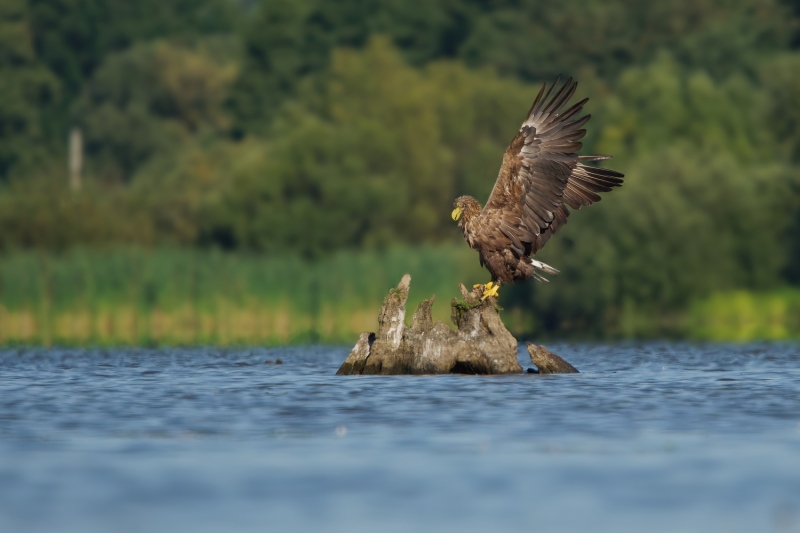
(481, 344)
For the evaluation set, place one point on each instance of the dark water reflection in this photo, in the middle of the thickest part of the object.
(650, 437)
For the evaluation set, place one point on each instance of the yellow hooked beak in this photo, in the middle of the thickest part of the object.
(456, 214)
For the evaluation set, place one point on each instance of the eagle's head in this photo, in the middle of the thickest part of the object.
(465, 208)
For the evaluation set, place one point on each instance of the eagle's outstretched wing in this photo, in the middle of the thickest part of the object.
(542, 172)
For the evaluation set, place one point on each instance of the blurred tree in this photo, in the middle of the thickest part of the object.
(182, 192)
(149, 99)
(378, 153)
(73, 36)
(794, 5)
(50, 48)
(537, 40)
(534, 40)
(27, 89)
(40, 212)
(780, 77)
(290, 39)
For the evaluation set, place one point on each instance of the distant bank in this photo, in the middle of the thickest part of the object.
(185, 297)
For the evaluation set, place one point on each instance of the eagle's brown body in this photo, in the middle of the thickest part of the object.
(540, 176)
(503, 263)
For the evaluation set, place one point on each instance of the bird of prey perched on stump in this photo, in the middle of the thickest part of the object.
(541, 176)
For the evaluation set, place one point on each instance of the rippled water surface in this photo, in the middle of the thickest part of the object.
(652, 437)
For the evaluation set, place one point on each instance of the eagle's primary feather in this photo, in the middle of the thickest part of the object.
(541, 176)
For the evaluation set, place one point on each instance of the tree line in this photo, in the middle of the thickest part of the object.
(304, 127)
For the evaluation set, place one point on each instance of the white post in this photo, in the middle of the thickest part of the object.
(75, 158)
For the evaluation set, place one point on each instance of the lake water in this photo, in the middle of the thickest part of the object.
(647, 438)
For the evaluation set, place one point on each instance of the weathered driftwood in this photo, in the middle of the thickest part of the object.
(547, 362)
(480, 345)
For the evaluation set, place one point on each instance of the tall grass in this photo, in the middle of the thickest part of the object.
(135, 296)
(169, 296)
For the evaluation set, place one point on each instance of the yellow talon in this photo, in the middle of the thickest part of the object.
(489, 289)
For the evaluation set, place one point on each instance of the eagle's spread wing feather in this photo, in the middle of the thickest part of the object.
(541, 172)
(582, 187)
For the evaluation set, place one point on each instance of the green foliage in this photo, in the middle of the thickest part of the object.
(72, 37)
(538, 40)
(288, 40)
(150, 99)
(27, 90)
(529, 39)
(304, 128)
(781, 79)
(40, 212)
(374, 156)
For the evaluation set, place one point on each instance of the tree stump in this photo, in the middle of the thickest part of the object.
(481, 344)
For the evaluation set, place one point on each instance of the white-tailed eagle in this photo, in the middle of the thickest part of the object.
(541, 176)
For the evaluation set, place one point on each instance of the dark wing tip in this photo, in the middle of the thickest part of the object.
(536, 100)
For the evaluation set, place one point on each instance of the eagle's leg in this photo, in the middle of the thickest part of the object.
(489, 289)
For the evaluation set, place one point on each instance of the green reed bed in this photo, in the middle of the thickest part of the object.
(135, 296)
(747, 316)
(185, 296)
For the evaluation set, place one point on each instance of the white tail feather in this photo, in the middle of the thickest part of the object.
(544, 267)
